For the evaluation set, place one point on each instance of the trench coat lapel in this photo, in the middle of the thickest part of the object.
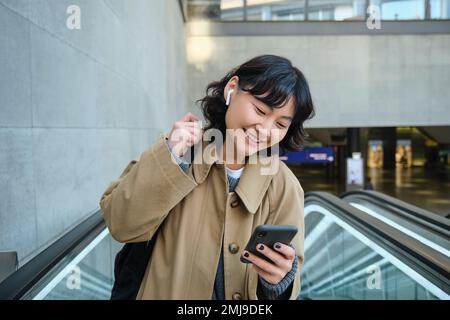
(255, 178)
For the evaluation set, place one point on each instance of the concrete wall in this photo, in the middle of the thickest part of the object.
(356, 80)
(77, 105)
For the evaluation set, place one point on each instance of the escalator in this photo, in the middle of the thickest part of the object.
(77, 266)
(427, 227)
(349, 254)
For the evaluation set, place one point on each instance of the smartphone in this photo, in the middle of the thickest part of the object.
(269, 234)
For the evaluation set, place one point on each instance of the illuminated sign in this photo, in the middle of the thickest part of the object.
(311, 155)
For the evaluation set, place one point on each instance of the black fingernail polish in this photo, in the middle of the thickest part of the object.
(261, 247)
(246, 254)
(278, 246)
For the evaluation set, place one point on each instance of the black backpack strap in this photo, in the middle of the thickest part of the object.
(130, 265)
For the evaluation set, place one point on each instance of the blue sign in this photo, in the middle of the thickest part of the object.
(311, 155)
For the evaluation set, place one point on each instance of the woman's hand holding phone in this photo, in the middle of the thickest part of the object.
(269, 252)
(184, 134)
(282, 256)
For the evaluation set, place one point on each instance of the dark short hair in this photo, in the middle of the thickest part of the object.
(272, 80)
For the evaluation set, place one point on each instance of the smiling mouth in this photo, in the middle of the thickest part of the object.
(252, 137)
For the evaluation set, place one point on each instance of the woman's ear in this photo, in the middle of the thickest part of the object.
(232, 84)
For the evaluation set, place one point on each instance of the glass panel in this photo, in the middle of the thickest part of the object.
(401, 9)
(87, 274)
(338, 10)
(340, 263)
(275, 10)
(227, 10)
(440, 9)
(316, 10)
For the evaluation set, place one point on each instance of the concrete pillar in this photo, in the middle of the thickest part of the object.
(427, 10)
(389, 147)
(353, 141)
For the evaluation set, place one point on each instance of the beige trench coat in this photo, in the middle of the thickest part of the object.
(195, 211)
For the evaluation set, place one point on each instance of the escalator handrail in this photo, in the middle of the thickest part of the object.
(406, 210)
(429, 261)
(22, 280)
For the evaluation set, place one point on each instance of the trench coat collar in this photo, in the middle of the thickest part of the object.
(255, 178)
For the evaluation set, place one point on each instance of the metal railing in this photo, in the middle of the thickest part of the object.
(423, 261)
(21, 281)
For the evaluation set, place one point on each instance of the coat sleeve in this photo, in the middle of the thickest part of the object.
(135, 204)
(287, 207)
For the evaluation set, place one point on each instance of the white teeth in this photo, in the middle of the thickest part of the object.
(252, 138)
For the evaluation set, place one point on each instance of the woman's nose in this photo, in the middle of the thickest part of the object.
(263, 133)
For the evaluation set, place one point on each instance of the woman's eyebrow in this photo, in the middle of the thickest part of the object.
(288, 118)
(284, 117)
(256, 102)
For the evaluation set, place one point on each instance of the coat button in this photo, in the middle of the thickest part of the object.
(237, 296)
(235, 203)
(234, 248)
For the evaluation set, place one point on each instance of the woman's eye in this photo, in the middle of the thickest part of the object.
(282, 126)
(259, 111)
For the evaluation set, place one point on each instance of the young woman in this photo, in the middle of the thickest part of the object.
(203, 212)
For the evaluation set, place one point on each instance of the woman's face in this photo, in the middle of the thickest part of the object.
(247, 117)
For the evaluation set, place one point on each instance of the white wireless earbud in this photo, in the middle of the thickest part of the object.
(229, 97)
